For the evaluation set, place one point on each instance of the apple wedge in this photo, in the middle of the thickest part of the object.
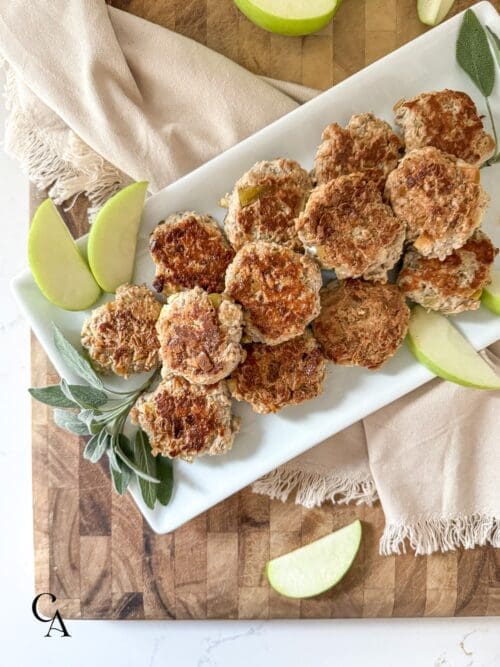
(432, 12)
(438, 345)
(491, 294)
(318, 566)
(58, 267)
(113, 237)
(289, 17)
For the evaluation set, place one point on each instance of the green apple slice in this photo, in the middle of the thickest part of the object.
(432, 12)
(315, 568)
(113, 237)
(438, 345)
(58, 267)
(491, 294)
(289, 17)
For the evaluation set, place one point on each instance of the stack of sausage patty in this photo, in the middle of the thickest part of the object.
(244, 313)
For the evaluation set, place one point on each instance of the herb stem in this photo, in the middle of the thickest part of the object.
(138, 391)
(492, 121)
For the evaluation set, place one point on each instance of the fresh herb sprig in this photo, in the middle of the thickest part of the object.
(475, 58)
(97, 411)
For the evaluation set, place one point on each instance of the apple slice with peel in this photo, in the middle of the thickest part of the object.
(289, 17)
(113, 237)
(58, 267)
(438, 345)
(491, 294)
(432, 12)
(318, 566)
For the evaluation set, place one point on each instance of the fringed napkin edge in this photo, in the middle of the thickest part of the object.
(312, 488)
(78, 170)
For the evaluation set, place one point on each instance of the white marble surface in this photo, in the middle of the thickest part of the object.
(353, 643)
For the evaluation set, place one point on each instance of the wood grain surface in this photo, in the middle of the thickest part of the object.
(92, 548)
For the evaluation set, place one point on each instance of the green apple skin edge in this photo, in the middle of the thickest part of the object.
(56, 263)
(113, 237)
(289, 17)
(490, 296)
(316, 567)
(439, 346)
(432, 12)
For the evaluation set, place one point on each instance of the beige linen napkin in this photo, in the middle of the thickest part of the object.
(96, 97)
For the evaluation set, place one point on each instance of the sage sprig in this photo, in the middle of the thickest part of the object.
(475, 58)
(97, 411)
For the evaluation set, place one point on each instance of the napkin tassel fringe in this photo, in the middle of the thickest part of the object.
(441, 534)
(79, 170)
(313, 488)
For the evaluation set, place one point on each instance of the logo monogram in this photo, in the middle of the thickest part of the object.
(56, 617)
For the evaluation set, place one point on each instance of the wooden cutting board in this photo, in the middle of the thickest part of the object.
(92, 548)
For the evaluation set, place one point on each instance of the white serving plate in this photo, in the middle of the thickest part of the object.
(265, 442)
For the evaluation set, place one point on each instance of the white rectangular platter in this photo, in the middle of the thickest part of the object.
(265, 442)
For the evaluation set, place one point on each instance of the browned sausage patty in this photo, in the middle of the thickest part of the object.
(439, 198)
(351, 230)
(120, 336)
(454, 284)
(185, 420)
(189, 250)
(278, 289)
(200, 336)
(448, 120)
(361, 324)
(272, 377)
(265, 202)
(366, 145)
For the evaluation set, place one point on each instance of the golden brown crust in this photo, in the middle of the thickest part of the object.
(440, 199)
(272, 377)
(454, 284)
(448, 120)
(120, 336)
(189, 250)
(278, 289)
(200, 336)
(185, 420)
(361, 324)
(368, 144)
(280, 188)
(351, 229)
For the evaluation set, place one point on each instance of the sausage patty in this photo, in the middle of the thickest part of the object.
(361, 323)
(454, 284)
(351, 230)
(200, 336)
(189, 250)
(278, 289)
(272, 377)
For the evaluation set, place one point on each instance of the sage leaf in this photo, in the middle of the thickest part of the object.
(495, 43)
(165, 473)
(146, 462)
(121, 441)
(93, 420)
(96, 446)
(52, 395)
(120, 477)
(75, 360)
(113, 459)
(69, 422)
(474, 55)
(130, 462)
(125, 445)
(83, 396)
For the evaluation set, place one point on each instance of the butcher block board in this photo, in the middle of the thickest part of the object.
(94, 551)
